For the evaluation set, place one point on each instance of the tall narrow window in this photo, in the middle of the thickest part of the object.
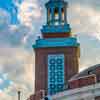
(55, 73)
(49, 15)
(63, 16)
(56, 14)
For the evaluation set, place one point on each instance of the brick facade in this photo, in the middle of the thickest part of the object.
(83, 81)
(41, 69)
(56, 35)
(37, 96)
(97, 98)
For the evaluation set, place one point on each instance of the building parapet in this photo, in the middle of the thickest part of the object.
(91, 91)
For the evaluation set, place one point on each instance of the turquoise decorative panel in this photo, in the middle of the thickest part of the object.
(55, 73)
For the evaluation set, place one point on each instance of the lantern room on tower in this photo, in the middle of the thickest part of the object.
(56, 12)
(56, 19)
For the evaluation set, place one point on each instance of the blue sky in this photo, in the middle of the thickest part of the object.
(20, 23)
(10, 7)
(4, 81)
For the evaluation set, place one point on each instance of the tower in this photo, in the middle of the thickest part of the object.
(57, 52)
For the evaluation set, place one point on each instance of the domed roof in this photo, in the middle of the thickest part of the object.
(89, 71)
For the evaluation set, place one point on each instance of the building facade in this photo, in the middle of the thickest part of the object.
(57, 55)
(57, 52)
(90, 92)
(83, 86)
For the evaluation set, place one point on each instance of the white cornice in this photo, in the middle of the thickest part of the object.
(84, 92)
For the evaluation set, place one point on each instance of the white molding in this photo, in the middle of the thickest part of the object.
(85, 93)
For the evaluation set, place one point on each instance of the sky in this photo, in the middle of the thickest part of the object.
(20, 24)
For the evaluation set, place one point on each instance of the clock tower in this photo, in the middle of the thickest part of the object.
(57, 52)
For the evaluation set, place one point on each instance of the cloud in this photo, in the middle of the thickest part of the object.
(28, 12)
(19, 69)
(1, 81)
(5, 76)
(15, 35)
(4, 96)
(4, 18)
(14, 88)
(17, 60)
(11, 8)
(85, 20)
(89, 50)
(17, 65)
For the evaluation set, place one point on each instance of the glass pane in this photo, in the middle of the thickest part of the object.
(62, 10)
(56, 13)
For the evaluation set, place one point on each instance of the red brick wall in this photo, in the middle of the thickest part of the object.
(84, 81)
(98, 74)
(41, 69)
(97, 98)
(37, 96)
(56, 35)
